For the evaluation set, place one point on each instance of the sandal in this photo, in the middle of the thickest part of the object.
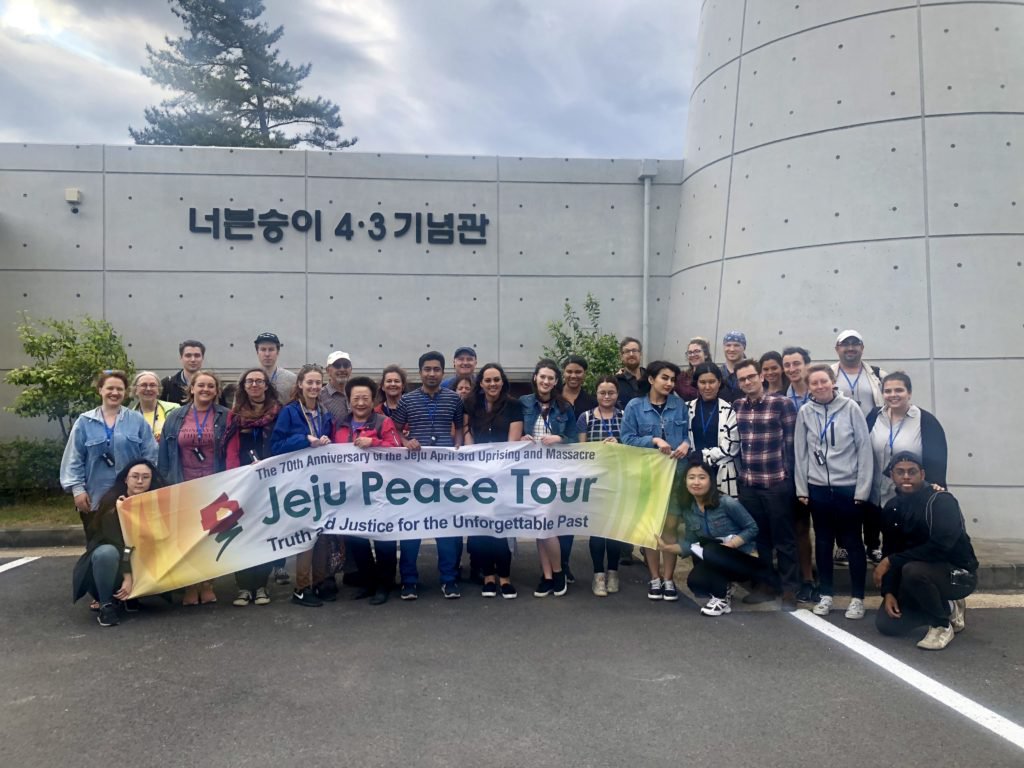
(207, 596)
(191, 597)
(94, 605)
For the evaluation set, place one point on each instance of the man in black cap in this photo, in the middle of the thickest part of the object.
(929, 565)
(464, 362)
(268, 347)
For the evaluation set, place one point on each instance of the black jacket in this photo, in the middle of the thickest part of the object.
(101, 527)
(933, 445)
(631, 387)
(925, 526)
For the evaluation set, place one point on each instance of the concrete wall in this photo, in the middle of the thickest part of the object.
(859, 165)
(558, 229)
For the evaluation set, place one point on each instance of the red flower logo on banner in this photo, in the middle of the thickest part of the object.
(211, 515)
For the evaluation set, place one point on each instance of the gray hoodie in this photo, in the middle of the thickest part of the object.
(839, 432)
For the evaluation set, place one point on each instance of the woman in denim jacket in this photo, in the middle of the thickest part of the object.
(661, 421)
(548, 419)
(103, 442)
(726, 534)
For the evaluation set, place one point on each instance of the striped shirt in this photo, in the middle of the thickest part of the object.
(766, 439)
(430, 419)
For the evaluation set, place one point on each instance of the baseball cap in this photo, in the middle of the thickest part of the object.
(465, 351)
(336, 356)
(267, 338)
(849, 333)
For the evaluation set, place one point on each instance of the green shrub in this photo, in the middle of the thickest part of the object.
(570, 336)
(30, 467)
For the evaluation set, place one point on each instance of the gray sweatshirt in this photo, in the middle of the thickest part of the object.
(839, 432)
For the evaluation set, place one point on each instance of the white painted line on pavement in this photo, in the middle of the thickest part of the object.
(972, 710)
(16, 563)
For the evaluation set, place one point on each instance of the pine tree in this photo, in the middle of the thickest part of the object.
(233, 89)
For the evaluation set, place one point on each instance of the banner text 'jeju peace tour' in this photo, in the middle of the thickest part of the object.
(233, 520)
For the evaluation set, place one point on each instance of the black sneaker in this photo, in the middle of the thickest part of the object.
(410, 592)
(450, 590)
(545, 588)
(875, 555)
(806, 593)
(380, 597)
(307, 598)
(324, 592)
(490, 589)
(560, 583)
(362, 593)
(108, 615)
(569, 577)
(654, 590)
(508, 591)
(841, 557)
(669, 591)
(281, 576)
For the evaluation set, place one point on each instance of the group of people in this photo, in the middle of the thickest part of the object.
(767, 449)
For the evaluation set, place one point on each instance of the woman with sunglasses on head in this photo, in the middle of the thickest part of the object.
(247, 441)
(549, 419)
(493, 416)
(105, 570)
(146, 400)
(602, 424)
(712, 428)
(659, 421)
(305, 423)
(102, 442)
(192, 447)
(833, 469)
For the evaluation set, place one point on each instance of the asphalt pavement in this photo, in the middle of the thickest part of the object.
(562, 682)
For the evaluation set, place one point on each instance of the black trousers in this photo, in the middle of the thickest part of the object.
(837, 518)
(492, 555)
(374, 572)
(772, 510)
(600, 546)
(712, 573)
(255, 577)
(924, 594)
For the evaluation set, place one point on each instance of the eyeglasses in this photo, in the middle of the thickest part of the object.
(255, 382)
(631, 351)
(694, 352)
(751, 377)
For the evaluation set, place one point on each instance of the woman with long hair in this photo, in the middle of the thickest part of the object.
(833, 469)
(548, 419)
(493, 416)
(698, 350)
(719, 534)
(305, 423)
(146, 400)
(102, 442)
(192, 447)
(603, 424)
(105, 570)
(247, 441)
(659, 421)
(712, 428)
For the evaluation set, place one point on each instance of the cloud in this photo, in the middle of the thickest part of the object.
(571, 78)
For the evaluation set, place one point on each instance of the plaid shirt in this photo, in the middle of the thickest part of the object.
(766, 439)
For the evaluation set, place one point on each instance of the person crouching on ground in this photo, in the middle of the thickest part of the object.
(105, 570)
(929, 565)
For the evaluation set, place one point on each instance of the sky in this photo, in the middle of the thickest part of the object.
(544, 78)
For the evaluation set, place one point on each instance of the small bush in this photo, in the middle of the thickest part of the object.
(30, 467)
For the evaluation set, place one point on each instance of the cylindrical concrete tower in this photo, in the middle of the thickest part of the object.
(860, 164)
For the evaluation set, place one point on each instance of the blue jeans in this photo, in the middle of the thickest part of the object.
(103, 572)
(447, 559)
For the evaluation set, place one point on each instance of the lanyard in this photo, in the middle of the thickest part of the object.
(109, 430)
(157, 413)
(200, 428)
(314, 424)
(705, 422)
(431, 409)
(797, 399)
(892, 437)
(824, 430)
(601, 421)
(853, 384)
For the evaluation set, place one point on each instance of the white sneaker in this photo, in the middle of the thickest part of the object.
(856, 609)
(262, 598)
(958, 617)
(824, 606)
(612, 582)
(243, 599)
(717, 606)
(937, 638)
(599, 586)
